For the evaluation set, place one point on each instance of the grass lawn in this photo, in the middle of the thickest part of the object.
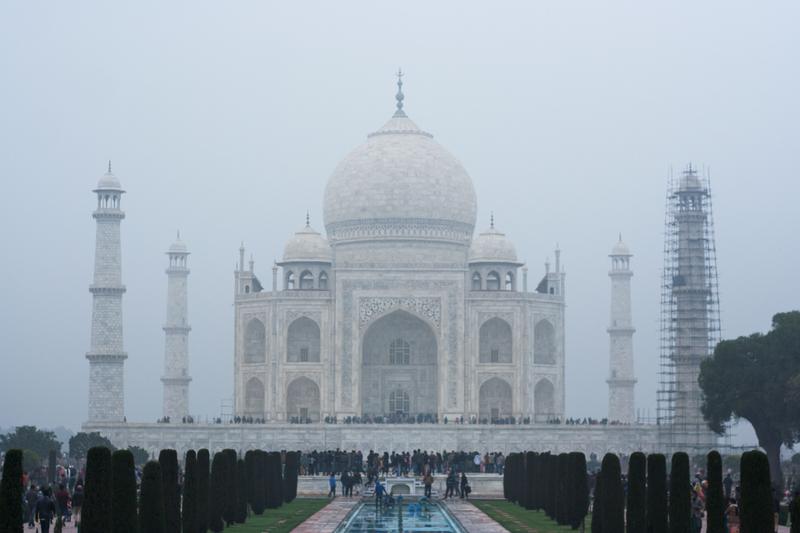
(517, 520)
(281, 520)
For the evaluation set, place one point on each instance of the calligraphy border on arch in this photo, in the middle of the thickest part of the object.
(373, 307)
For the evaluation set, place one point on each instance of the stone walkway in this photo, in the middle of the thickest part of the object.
(472, 519)
(326, 519)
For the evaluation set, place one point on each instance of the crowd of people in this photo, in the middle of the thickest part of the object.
(45, 500)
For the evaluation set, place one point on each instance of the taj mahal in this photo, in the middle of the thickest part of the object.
(404, 326)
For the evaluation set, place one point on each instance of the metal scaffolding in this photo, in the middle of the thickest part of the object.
(690, 320)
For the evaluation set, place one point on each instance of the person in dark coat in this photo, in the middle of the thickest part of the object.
(465, 489)
(45, 510)
(31, 497)
(77, 501)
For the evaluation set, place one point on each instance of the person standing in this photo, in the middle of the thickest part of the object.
(31, 497)
(63, 500)
(379, 492)
(332, 485)
(727, 484)
(77, 502)
(464, 486)
(45, 510)
(451, 484)
(428, 481)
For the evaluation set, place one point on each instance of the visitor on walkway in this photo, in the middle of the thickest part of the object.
(465, 488)
(63, 500)
(332, 485)
(379, 492)
(451, 484)
(31, 497)
(727, 483)
(77, 502)
(45, 510)
(428, 481)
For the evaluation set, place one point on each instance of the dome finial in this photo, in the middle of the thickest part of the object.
(399, 96)
(491, 220)
(308, 219)
(620, 236)
(109, 166)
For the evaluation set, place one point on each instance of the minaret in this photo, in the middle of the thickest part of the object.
(176, 329)
(621, 380)
(106, 355)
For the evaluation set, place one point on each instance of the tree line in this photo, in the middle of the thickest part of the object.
(558, 485)
(216, 491)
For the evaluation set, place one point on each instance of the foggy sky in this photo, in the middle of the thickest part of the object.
(225, 119)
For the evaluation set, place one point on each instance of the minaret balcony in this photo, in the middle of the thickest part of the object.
(97, 289)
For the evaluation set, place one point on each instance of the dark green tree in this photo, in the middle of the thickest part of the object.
(636, 517)
(216, 493)
(189, 507)
(680, 494)
(562, 480)
(579, 491)
(597, 504)
(11, 493)
(259, 484)
(241, 492)
(140, 455)
(96, 511)
(274, 480)
(51, 467)
(229, 505)
(757, 378)
(151, 500)
(123, 493)
(80, 443)
(290, 476)
(613, 495)
(30, 438)
(171, 490)
(756, 510)
(715, 495)
(657, 518)
(203, 476)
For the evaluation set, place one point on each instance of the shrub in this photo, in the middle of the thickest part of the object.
(124, 517)
(613, 497)
(151, 500)
(216, 493)
(241, 492)
(637, 495)
(580, 490)
(203, 467)
(168, 460)
(96, 511)
(190, 489)
(715, 495)
(290, 474)
(657, 493)
(756, 510)
(11, 493)
(680, 494)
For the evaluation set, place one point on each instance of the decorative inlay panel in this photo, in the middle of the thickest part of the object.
(370, 308)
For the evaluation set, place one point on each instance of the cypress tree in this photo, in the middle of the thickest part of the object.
(529, 479)
(249, 461)
(231, 487)
(756, 511)
(290, 476)
(259, 493)
(506, 485)
(216, 494)
(151, 500)
(637, 494)
(657, 493)
(171, 491)
(123, 496)
(715, 495)
(613, 500)
(203, 468)
(562, 479)
(241, 493)
(597, 504)
(680, 494)
(580, 490)
(96, 511)
(190, 489)
(274, 480)
(552, 491)
(11, 492)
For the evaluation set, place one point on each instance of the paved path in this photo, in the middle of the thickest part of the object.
(471, 518)
(326, 519)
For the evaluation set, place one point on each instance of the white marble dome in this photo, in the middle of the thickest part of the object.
(492, 246)
(108, 182)
(400, 180)
(307, 245)
(620, 248)
(178, 247)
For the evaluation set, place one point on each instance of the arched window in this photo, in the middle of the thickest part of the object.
(509, 281)
(323, 281)
(399, 352)
(476, 282)
(495, 400)
(303, 341)
(306, 280)
(398, 402)
(493, 281)
(290, 281)
(495, 342)
(544, 343)
(544, 401)
(255, 342)
(254, 397)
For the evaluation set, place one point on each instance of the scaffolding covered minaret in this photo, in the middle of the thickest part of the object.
(690, 325)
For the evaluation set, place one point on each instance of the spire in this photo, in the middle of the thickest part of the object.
(308, 219)
(491, 220)
(620, 236)
(399, 96)
(109, 166)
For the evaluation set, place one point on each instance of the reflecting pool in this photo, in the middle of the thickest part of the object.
(400, 517)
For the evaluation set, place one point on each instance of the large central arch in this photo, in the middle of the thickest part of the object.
(399, 358)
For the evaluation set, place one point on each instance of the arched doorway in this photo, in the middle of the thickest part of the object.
(544, 401)
(255, 342)
(254, 398)
(544, 343)
(495, 341)
(302, 400)
(302, 341)
(495, 400)
(399, 362)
